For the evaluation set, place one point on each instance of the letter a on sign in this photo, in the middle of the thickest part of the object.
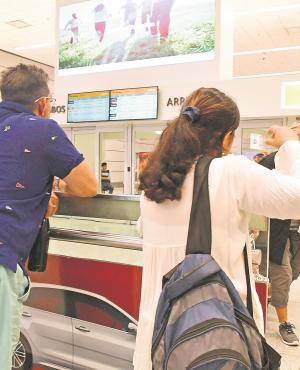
(169, 102)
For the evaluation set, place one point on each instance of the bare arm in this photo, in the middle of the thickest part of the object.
(52, 205)
(80, 182)
(273, 193)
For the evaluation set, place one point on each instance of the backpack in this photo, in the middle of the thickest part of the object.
(201, 322)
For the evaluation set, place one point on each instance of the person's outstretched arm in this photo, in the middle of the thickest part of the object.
(272, 193)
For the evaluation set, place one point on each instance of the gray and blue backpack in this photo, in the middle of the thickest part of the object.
(201, 322)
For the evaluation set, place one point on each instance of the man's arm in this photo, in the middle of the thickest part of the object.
(80, 182)
(64, 161)
(52, 205)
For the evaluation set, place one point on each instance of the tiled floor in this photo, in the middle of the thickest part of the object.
(290, 355)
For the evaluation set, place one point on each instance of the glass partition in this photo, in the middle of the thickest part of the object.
(259, 237)
(121, 227)
(112, 151)
(253, 146)
(253, 142)
(85, 142)
(108, 214)
(144, 143)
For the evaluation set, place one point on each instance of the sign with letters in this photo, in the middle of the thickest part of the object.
(175, 101)
(58, 109)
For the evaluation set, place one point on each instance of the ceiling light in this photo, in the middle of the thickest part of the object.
(267, 10)
(267, 75)
(258, 51)
(18, 23)
(36, 46)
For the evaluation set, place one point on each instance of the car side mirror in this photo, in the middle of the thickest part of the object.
(132, 328)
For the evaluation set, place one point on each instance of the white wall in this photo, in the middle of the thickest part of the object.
(10, 60)
(256, 97)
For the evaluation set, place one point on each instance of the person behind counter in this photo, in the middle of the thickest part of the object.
(206, 126)
(105, 179)
(33, 149)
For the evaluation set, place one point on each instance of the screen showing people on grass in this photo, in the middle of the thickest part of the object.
(95, 34)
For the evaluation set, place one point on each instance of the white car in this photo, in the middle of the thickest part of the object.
(67, 328)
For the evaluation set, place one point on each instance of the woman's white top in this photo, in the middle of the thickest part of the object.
(238, 187)
(100, 16)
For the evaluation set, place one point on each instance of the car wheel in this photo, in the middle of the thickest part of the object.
(22, 356)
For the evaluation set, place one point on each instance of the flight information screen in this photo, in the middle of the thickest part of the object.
(88, 106)
(132, 104)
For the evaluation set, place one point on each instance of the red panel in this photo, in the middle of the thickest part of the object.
(119, 283)
(262, 291)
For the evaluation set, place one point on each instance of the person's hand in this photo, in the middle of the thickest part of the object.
(278, 135)
(52, 205)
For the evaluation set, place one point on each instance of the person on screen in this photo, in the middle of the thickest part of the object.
(105, 179)
(100, 16)
(161, 18)
(72, 26)
(146, 13)
(130, 15)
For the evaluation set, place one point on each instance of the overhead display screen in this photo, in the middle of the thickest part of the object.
(107, 35)
(88, 106)
(132, 104)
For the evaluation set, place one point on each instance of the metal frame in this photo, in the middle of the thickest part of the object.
(103, 239)
(135, 129)
(127, 138)
(85, 130)
(254, 123)
(113, 207)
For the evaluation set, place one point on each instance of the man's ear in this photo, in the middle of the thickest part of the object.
(40, 108)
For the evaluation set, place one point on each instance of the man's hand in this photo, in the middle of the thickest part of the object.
(278, 135)
(52, 205)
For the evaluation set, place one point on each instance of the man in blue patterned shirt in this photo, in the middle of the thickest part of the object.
(33, 149)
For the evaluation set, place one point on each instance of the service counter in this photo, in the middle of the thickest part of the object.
(95, 270)
(94, 246)
(102, 232)
(82, 310)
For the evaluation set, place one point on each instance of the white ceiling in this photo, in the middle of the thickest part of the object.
(40, 14)
(267, 30)
(253, 31)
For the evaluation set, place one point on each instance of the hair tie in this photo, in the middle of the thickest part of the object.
(192, 113)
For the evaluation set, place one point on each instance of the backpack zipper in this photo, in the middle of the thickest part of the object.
(218, 353)
(198, 330)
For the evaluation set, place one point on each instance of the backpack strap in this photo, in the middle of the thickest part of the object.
(199, 234)
(249, 293)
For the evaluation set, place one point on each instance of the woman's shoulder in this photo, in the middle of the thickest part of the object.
(232, 161)
(233, 166)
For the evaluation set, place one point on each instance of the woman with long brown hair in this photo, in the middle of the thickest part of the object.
(237, 188)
